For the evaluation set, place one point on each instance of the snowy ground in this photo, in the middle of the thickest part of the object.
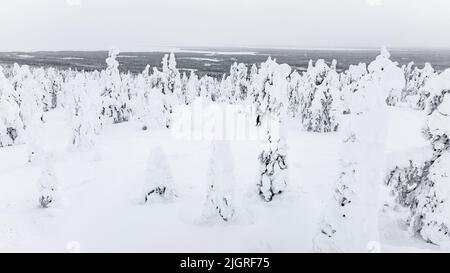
(102, 206)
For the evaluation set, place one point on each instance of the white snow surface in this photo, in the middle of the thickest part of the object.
(100, 207)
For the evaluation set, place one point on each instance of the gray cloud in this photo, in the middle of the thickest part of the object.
(100, 24)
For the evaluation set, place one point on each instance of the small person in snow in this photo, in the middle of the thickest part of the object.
(159, 181)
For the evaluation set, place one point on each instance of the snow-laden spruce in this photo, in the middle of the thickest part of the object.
(11, 126)
(295, 84)
(220, 183)
(355, 200)
(114, 100)
(159, 184)
(83, 109)
(48, 184)
(350, 83)
(431, 208)
(31, 111)
(320, 98)
(422, 184)
(415, 93)
(192, 88)
(270, 90)
(270, 99)
(273, 177)
(147, 102)
(238, 83)
(170, 84)
(390, 76)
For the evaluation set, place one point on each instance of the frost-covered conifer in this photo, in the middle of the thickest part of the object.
(11, 126)
(48, 185)
(210, 89)
(430, 208)
(388, 75)
(270, 99)
(415, 94)
(295, 83)
(159, 183)
(221, 180)
(356, 197)
(43, 80)
(350, 83)
(31, 111)
(320, 98)
(149, 104)
(55, 89)
(192, 88)
(273, 178)
(114, 99)
(83, 110)
(238, 83)
(270, 90)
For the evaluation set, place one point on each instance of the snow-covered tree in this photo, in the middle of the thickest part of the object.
(55, 90)
(270, 99)
(238, 83)
(11, 126)
(415, 93)
(149, 104)
(389, 75)
(31, 111)
(295, 83)
(356, 197)
(273, 162)
(170, 83)
(192, 88)
(48, 184)
(159, 184)
(270, 90)
(406, 172)
(114, 99)
(221, 180)
(209, 89)
(420, 181)
(320, 98)
(350, 83)
(83, 109)
(430, 206)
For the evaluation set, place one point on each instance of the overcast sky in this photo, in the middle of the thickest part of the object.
(134, 24)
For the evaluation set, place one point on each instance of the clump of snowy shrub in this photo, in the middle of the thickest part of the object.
(221, 180)
(159, 184)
